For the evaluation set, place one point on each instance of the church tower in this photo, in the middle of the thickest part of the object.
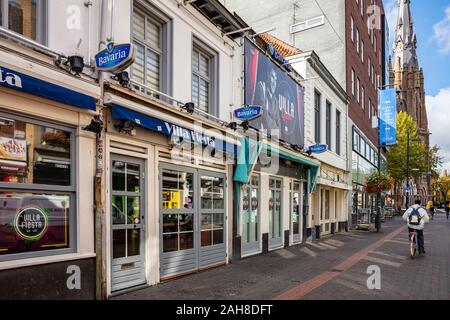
(407, 77)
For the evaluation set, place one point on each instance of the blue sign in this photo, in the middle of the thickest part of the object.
(278, 57)
(171, 130)
(319, 148)
(22, 82)
(248, 113)
(388, 117)
(115, 57)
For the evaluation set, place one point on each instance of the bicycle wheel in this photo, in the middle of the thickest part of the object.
(412, 247)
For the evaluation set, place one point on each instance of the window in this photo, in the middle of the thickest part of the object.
(203, 70)
(317, 106)
(150, 37)
(250, 211)
(357, 40)
(362, 51)
(369, 66)
(353, 82)
(352, 29)
(328, 125)
(363, 98)
(356, 139)
(358, 85)
(370, 108)
(338, 132)
(26, 17)
(37, 183)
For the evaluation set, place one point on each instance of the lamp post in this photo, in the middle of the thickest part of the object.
(407, 171)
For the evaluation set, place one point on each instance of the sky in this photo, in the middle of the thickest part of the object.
(432, 25)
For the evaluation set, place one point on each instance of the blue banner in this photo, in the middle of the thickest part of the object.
(22, 82)
(388, 117)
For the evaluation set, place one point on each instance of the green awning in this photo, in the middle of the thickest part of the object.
(248, 154)
(313, 167)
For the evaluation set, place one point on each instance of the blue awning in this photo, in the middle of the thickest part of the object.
(24, 83)
(169, 129)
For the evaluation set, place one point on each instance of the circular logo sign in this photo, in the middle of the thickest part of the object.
(31, 223)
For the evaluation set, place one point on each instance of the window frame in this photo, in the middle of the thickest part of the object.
(166, 38)
(338, 132)
(317, 115)
(213, 87)
(70, 191)
(328, 107)
(41, 20)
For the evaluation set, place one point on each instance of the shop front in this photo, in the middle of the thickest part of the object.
(169, 196)
(46, 182)
(330, 202)
(273, 210)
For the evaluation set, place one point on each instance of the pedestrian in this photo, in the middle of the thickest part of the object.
(447, 208)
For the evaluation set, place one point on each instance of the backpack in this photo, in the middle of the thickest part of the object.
(414, 217)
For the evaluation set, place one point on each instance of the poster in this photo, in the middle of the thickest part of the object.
(13, 149)
(388, 117)
(279, 95)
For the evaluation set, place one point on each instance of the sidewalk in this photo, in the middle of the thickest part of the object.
(266, 276)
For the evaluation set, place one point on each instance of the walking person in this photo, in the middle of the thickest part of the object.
(447, 208)
(430, 207)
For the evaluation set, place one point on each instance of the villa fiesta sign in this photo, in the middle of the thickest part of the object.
(115, 57)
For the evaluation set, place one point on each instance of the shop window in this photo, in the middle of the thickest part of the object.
(177, 190)
(37, 207)
(26, 17)
(212, 193)
(212, 229)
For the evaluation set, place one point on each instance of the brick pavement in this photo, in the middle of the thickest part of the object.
(268, 276)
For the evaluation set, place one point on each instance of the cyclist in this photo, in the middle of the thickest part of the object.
(416, 217)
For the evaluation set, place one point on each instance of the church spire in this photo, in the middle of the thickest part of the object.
(405, 41)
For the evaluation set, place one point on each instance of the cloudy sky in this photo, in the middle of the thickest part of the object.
(432, 25)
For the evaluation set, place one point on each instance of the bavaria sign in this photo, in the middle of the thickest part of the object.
(115, 57)
(319, 148)
(248, 113)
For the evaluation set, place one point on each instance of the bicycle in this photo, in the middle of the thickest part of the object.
(413, 244)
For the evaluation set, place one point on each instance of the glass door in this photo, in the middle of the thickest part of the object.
(326, 222)
(212, 219)
(275, 218)
(178, 246)
(296, 209)
(250, 217)
(127, 217)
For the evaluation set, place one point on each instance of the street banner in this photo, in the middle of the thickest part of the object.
(279, 95)
(388, 117)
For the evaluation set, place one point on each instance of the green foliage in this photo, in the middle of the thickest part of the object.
(397, 155)
(436, 162)
(377, 182)
(442, 186)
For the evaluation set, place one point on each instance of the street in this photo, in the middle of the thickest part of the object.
(336, 267)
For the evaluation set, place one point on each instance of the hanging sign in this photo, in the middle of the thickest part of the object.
(115, 58)
(388, 117)
(247, 113)
(319, 148)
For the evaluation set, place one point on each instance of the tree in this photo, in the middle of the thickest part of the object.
(397, 155)
(442, 186)
(436, 162)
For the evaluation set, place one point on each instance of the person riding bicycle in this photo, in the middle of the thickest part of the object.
(416, 217)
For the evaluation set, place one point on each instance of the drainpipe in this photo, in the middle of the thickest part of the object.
(99, 185)
(88, 5)
(113, 9)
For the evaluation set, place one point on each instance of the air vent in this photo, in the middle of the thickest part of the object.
(308, 24)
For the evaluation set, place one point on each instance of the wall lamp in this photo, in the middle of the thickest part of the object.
(123, 78)
(127, 127)
(73, 64)
(189, 107)
(245, 125)
(95, 126)
(232, 126)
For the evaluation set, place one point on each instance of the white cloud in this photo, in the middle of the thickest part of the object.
(391, 11)
(442, 33)
(438, 111)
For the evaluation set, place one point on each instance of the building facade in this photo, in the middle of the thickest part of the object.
(349, 38)
(47, 160)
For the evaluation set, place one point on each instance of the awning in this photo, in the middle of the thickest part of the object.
(21, 82)
(172, 130)
(249, 152)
